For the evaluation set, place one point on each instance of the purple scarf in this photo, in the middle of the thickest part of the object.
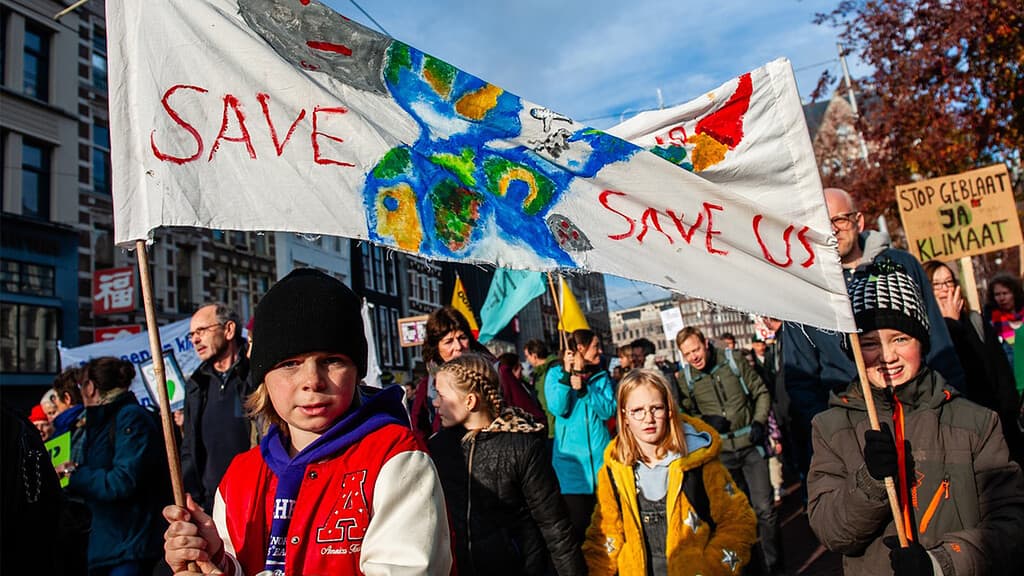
(365, 416)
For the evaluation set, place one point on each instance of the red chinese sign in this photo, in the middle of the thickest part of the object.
(108, 333)
(113, 290)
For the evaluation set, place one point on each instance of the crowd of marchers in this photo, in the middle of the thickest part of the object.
(649, 467)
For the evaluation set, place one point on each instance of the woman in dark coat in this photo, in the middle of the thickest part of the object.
(502, 495)
(989, 376)
(122, 475)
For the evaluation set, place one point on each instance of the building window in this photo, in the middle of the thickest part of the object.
(35, 180)
(381, 335)
(260, 287)
(99, 59)
(260, 245)
(101, 158)
(390, 272)
(396, 349)
(25, 278)
(4, 19)
(37, 62)
(377, 255)
(367, 266)
(28, 338)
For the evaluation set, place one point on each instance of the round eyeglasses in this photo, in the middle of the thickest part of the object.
(639, 414)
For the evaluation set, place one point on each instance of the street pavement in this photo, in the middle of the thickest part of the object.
(804, 555)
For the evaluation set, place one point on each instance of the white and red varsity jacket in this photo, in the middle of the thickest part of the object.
(375, 508)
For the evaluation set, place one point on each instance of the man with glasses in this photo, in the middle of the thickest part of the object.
(726, 392)
(816, 362)
(216, 428)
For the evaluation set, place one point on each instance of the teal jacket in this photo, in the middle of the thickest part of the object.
(580, 433)
(123, 479)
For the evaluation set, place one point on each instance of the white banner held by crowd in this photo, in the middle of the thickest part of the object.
(135, 349)
(283, 115)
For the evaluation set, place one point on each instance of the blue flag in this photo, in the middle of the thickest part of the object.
(510, 292)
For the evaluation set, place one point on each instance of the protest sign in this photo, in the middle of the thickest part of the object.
(59, 448)
(671, 325)
(174, 378)
(286, 116)
(960, 215)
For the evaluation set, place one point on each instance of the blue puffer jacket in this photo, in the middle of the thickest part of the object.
(123, 479)
(580, 433)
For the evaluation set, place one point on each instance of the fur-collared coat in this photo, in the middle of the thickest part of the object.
(693, 544)
(503, 499)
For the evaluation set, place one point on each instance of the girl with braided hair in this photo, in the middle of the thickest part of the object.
(448, 336)
(502, 495)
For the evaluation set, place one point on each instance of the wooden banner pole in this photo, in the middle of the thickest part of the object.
(156, 349)
(562, 340)
(69, 9)
(969, 284)
(869, 401)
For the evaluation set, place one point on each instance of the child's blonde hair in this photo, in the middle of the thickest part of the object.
(475, 374)
(627, 451)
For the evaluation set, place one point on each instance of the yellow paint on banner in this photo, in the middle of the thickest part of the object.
(476, 105)
(397, 216)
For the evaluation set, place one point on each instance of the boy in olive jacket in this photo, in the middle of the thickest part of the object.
(962, 497)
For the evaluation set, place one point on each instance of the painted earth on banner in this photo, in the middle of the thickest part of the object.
(284, 115)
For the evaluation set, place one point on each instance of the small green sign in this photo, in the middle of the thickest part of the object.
(60, 452)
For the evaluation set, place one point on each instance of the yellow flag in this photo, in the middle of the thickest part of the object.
(460, 301)
(572, 316)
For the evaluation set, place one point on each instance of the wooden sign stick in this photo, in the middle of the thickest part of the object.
(156, 349)
(562, 340)
(869, 401)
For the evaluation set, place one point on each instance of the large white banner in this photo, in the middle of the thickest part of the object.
(283, 115)
(135, 349)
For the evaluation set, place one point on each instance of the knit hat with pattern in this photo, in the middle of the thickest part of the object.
(307, 311)
(885, 296)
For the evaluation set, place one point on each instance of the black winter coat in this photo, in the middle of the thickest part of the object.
(503, 500)
(201, 468)
(989, 376)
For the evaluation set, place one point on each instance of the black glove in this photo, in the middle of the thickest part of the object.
(910, 561)
(757, 433)
(721, 424)
(880, 453)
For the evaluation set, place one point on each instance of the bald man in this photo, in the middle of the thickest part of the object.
(816, 362)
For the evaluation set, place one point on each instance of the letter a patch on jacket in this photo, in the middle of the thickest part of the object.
(350, 515)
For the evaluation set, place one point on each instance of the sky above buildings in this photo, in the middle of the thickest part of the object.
(601, 61)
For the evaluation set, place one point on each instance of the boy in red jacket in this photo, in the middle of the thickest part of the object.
(339, 484)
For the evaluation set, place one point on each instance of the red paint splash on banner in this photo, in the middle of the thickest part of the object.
(329, 47)
(726, 124)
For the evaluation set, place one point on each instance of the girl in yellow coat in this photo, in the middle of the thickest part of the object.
(665, 503)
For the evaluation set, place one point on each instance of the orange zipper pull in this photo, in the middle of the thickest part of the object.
(945, 486)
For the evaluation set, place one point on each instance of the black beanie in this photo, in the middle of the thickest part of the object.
(307, 311)
(885, 296)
